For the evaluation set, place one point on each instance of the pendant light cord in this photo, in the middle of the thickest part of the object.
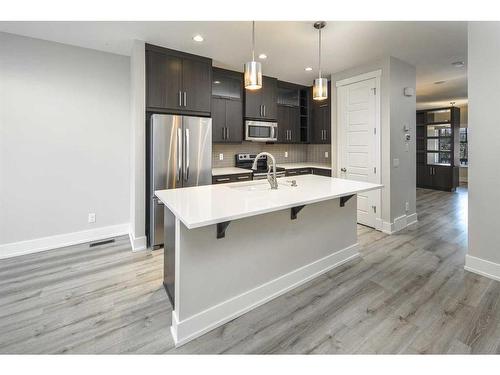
(319, 64)
(253, 40)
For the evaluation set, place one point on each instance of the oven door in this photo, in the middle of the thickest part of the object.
(261, 131)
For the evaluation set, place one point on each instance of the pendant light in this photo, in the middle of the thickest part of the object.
(320, 87)
(253, 69)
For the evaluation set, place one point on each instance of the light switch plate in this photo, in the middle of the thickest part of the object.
(221, 156)
(326, 154)
(91, 217)
(286, 154)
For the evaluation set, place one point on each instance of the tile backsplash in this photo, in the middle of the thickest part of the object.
(296, 152)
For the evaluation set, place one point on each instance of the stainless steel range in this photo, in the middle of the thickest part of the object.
(246, 160)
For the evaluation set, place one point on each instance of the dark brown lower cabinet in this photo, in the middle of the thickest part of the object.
(437, 177)
(224, 179)
(322, 172)
(301, 171)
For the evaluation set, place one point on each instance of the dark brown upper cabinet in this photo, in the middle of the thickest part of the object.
(177, 82)
(227, 106)
(321, 119)
(262, 104)
(289, 122)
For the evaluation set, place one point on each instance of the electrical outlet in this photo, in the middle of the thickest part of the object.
(395, 163)
(326, 154)
(286, 154)
(407, 206)
(221, 156)
(91, 217)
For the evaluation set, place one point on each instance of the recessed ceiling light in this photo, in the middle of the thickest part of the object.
(263, 56)
(439, 82)
(458, 64)
(308, 69)
(216, 82)
(198, 38)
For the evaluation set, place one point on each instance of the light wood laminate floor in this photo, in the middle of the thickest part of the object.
(408, 293)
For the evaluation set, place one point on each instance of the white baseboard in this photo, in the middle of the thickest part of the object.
(61, 240)
(199, 324)
(482, 267)
(399, 223)
(137, 243)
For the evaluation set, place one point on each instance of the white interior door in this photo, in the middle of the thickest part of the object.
(359, 143)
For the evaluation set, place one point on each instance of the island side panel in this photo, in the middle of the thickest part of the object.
(169, 254)
(260, 258)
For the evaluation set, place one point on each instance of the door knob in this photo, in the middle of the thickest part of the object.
(343, 170)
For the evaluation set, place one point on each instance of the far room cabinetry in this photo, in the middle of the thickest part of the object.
(438, 148)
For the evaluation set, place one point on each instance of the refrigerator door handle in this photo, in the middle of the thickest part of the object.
(179, 154)
(186, 150)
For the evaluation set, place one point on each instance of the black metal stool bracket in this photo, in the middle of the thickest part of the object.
(343, 200)
(295, 210)
(221, 229)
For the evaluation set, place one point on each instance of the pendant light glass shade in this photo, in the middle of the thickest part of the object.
(320, 86)
(253, 69)
(253, 75)
(320, 89)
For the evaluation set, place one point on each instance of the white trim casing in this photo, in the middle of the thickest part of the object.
(61, 240)
(399, 223)
(359, 78)
(376, 74)
(203, 322)
(139, 243)
(482, 267)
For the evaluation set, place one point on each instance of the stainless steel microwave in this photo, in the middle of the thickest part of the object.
(261, 131)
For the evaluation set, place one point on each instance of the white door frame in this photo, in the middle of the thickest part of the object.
(358, 78)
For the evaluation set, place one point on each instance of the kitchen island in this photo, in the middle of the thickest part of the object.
(232, 247)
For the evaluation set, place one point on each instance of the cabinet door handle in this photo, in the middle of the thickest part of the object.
(180, 99)
(343, 170)
(243, 177)
(264, 110)
(260, 108)
(227, 133)
(222, 179)
(185, 99)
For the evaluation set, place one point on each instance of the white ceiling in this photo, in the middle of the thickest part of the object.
(290, 46)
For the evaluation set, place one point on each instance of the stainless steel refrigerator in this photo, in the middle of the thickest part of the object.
(180, 150)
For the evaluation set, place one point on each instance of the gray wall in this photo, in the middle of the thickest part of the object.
(484, 140)
(402, 112)
(64, 138)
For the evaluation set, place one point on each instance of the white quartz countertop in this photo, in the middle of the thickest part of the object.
(229, 170)
(304, 165)
(200, 206)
